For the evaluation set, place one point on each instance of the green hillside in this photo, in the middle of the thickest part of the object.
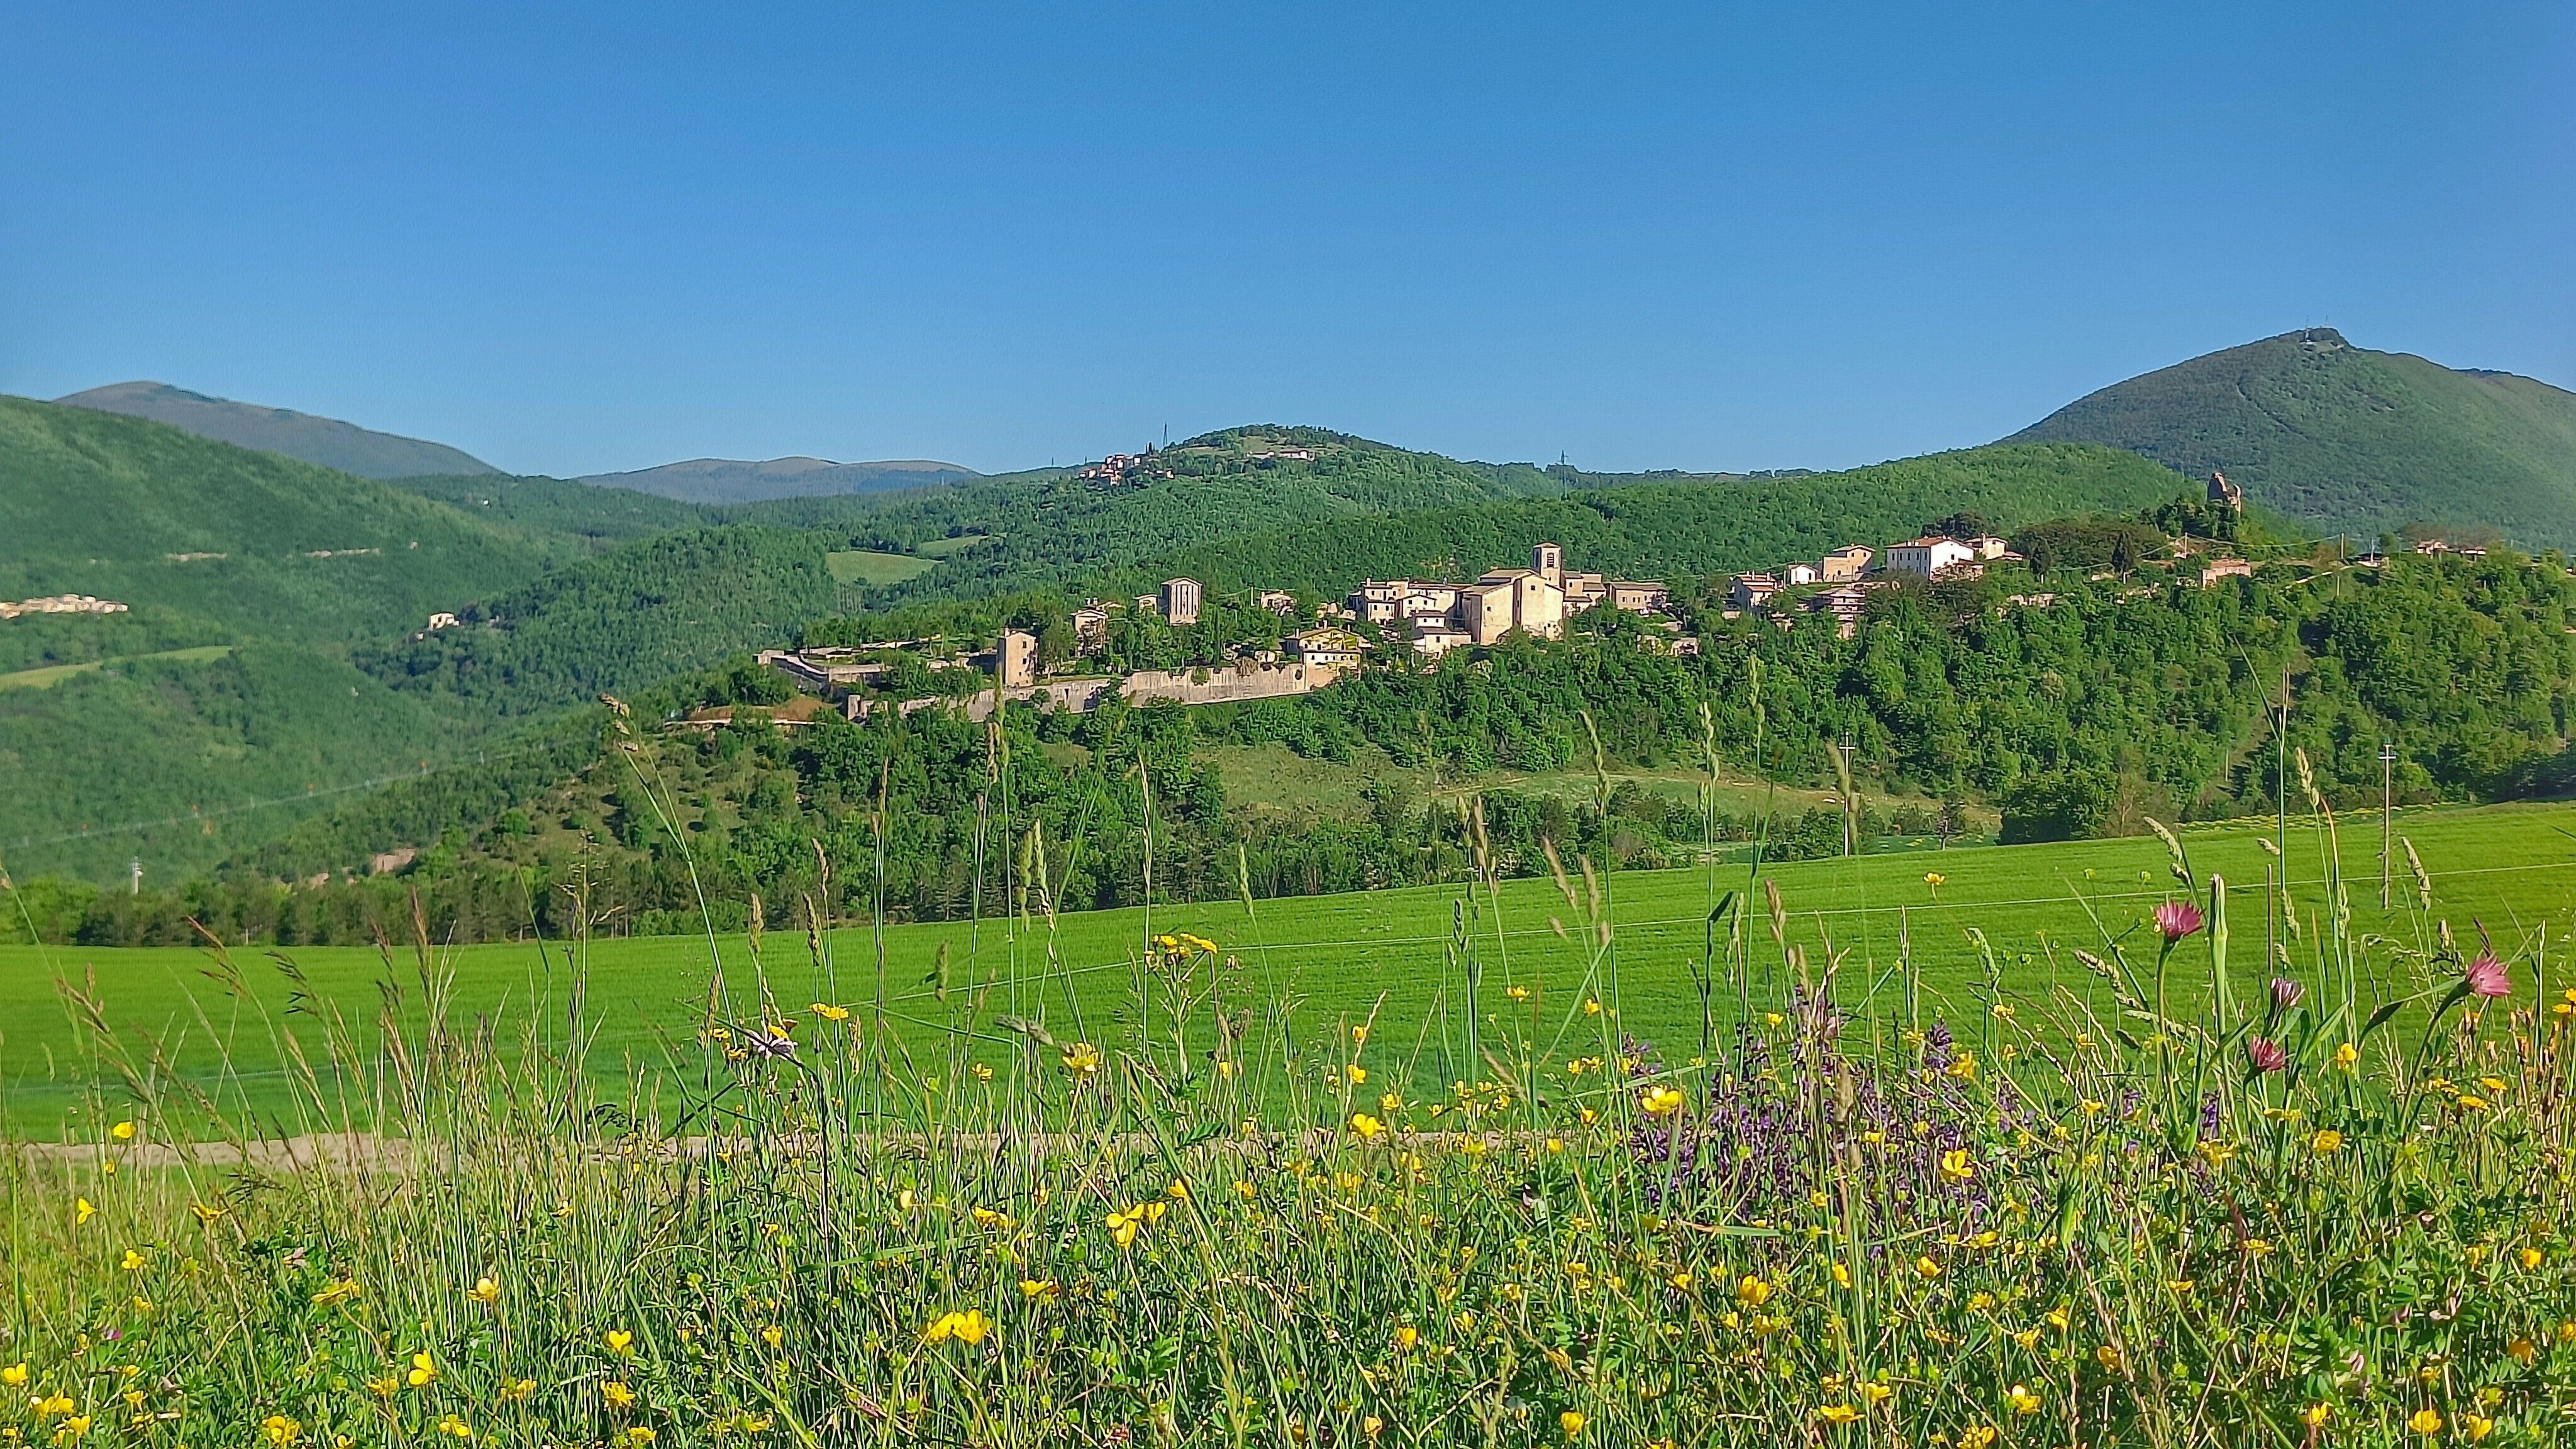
(182, 760)
(616, 623)
(143, 513)
(1657, 529)
(326, 441)
(2348, 439)
(598, 515)
(1032, 528)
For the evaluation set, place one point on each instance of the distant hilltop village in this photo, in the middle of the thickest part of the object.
(1270, 644)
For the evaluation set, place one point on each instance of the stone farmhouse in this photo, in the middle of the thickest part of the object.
(1437, 617)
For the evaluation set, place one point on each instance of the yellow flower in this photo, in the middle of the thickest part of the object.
(1660, 1101)
(1406, 1336)
(1842, 1274)
(2523, 1351)
(2427, 1421)
(134, 1261)
(122, 1131)
(2532, 1258)
(485, 1291)
(1366, 1127)
(619, 1396)
(2346, 1056)
(1591, 1006)
(1935, 879)
(2469, 1103)
(15, 1375)
(620, 1342)
(208, 1214)
(2108, 1356)
(2021, 1400)
(424, 1371)
(2316, 1414)
(773, 1335)
(1927, 1267)
(82, 1212)
(1039, 1290)
(967, 1327)
(1359, 1074)
(640, 1435)
(341, 1291)
(1956, 1166)
(1977, 1436)
(517, 1391)
(2474, 1425)
(1081, 1059)
(1877, 1393)
(1752, 1292)
(1372, 1426)
(2326, 1142)
(1571, 1422)
(1964, 1067)
(280, 1430)
(1837, 1414)
(829, 1012)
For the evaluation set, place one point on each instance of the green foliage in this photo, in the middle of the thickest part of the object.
(617, 623)
(1656, 530)
(2117, 544)
(603, 517)
(2347, 439)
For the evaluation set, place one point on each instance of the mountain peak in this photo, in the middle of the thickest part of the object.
(327, 441)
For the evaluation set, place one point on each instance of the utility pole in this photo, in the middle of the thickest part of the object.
(2387, 799)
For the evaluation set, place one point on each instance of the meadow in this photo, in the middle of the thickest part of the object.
(1399, 958)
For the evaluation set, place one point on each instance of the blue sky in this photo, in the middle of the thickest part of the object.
(578, 239)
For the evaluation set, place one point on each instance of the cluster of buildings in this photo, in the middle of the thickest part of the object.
(1848, 579)
(1125, 468)
(61, 604)
(1437, 617)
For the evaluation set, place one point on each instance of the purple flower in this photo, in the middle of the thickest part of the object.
(2486, 976)
(2286, 993)
(2265, 1054)
(2177, 919)
(773, 1045)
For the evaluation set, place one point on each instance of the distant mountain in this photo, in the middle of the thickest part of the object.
(327, 441)
(724, 480)
(2345, 438)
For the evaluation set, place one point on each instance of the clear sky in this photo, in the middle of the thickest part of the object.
(577, 239)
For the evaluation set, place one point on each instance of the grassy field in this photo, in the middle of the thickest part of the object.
(1329, 960)
(53, 674)
(861, 566)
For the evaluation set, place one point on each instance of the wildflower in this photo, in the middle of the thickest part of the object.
(829, 1012)
(1039, 1290)
(1591, 1006)
(639, 1435)
(1977, 1436)
(1518, 993)
(2285, 993)
(2176, 919)
(2316, 1414)
(1390, 1104)
(1572, 1422)
(620, 1342)
(2021, 1400)
(1660, 1101)
(2426, 1421)
(134, 1260)
(15, 1375)
(2532, 1258)
(1963, 1067)
(2474, 1425)
(280, 1430)
(1406, 1336)
(517, 1391)
(1359, 1074)
(2108, 1356)
(455, 1427)
(1926, 1266)
(619, 1396)
(2467, 1103)
(122, 1131)
(2523, 1351)
(2487, 976)
(54, 1406)
(82, 1212)
(1877, 1393)
(1366, 1128)
(1935, 880)
(1956, 1166)
(1838, 1414)
(2346, 1055)
(2326, 1142)
(1842, 1275)
(2265, 1055)
(967, 1327)
(485, 1291)
(1752, 1292)
(773, 1335)
(1081, 1059)
(423, 1372)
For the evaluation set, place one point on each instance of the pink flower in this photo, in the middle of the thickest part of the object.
(2177, 919)
(2487, 976)
(2265, 1054)
(2286, 993)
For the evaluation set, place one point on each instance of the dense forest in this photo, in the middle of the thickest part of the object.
(2124, 698)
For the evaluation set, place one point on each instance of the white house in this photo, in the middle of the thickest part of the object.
(1926, 557)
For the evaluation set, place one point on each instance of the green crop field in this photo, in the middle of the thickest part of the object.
(52, 674)
(861, 566)
(1308, 964)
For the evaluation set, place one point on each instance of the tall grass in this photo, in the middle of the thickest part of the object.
(2313, 1211)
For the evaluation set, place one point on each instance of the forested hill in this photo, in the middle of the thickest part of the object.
(1652, 530)
(326, 441)
(2347, 439)
(1047, 527)
(144, 513)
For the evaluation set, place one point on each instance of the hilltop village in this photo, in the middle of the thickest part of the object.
(1394, 622)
